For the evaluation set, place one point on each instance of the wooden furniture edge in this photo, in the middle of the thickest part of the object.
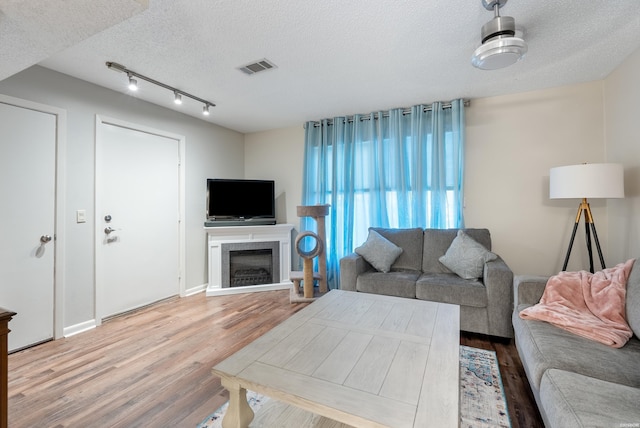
(5, 317)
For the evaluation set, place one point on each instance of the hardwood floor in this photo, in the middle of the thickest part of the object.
(152, 367)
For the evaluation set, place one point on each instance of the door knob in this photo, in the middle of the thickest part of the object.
(45, 238)
(108, 230)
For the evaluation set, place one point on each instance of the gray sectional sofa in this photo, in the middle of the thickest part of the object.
(486, 303)
(579, 382)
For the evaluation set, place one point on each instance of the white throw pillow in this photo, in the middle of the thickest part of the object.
(466, 256)
(379, 251)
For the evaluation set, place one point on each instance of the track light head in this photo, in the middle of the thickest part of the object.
(133, 83)
(177, 98)
(205, 110)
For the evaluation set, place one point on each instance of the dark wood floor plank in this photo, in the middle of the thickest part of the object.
(152, 367)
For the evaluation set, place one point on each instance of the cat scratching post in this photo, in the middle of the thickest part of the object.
(308, 276)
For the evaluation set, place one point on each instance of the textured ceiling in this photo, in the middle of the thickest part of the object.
(31, 31)
(337, 57)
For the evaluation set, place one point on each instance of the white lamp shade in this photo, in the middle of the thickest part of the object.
(595, 180)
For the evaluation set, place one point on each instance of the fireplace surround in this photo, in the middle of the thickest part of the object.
(246, 259)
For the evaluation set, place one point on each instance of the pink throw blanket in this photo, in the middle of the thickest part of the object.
(591, 305)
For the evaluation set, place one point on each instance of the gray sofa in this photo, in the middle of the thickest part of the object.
(485, 303)
(579, 382)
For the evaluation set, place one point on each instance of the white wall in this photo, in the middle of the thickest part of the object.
(210, 151)
(512, 141)
(622, 131)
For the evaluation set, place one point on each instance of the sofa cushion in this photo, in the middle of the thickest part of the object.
(396, 283)
(438, 241)
(379, 251)
(410, 240)
(573, 400)
(466, 257)
(542, 346)
(450, 288)
(633, 299)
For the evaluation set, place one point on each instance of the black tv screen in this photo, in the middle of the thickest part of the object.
(237, 199)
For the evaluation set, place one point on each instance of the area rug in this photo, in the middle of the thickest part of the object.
(482, 400)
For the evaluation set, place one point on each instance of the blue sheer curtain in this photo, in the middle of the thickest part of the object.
(399, 168)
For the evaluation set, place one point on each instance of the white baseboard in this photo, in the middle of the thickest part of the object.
(195, 290)
(79, 328)
(91, 324)
(222, 291)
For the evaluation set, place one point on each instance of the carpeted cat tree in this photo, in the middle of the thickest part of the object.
(307, 275)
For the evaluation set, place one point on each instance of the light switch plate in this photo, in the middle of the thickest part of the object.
(81, 216)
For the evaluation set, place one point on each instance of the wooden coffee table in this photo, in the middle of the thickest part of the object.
(365, 360)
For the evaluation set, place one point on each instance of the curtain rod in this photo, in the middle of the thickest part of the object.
(405, 111)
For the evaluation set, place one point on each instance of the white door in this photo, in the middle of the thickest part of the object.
(27, 195)
(137, 217)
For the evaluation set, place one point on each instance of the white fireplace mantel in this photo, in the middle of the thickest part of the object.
(216, 236)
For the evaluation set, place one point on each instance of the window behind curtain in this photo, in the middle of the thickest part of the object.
(396, 169)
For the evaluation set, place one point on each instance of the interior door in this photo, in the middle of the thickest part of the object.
(137, 210)
(27, 192)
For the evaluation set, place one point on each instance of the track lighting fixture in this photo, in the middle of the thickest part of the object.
(177, 93)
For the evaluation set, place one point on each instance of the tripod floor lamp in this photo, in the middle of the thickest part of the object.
(594, 181)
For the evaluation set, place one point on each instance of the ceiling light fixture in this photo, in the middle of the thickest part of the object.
(178, 94)
(133, 83)
(500, 47)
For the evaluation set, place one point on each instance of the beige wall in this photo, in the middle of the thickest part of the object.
(512, 141)
(277, 155)
(622, 136)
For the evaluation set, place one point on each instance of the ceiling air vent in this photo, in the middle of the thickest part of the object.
(257, 66)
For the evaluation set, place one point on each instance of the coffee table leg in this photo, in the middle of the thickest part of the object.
(239, 413)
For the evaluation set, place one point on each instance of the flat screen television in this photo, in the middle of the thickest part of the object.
(241, 200)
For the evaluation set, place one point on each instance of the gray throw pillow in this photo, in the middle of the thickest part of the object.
(466, 257)
(379, 251)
